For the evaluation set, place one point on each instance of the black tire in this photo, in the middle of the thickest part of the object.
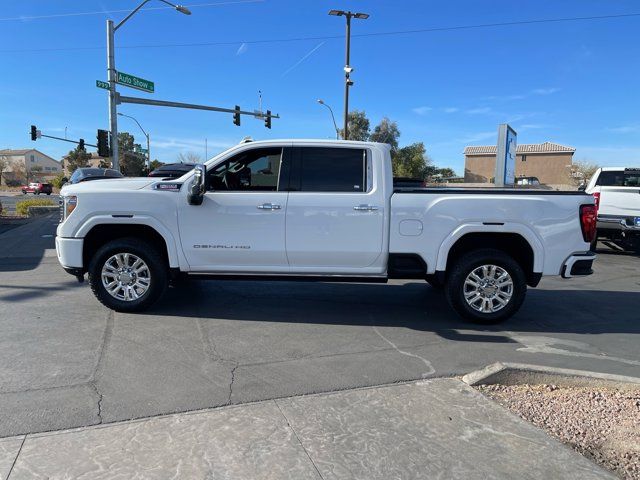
(455, 285)
(158, 273)
(48, 193)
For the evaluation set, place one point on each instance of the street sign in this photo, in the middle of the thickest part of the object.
(101, 84)
(140, 150)
(135, 82)
(506, 156)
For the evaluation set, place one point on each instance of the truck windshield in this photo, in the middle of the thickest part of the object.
(619, 178)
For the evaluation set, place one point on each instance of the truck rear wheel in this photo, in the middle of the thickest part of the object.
(486, 286)
(128, 274)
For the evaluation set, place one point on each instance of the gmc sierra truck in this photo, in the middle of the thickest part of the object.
(320, 210)
(617, 194)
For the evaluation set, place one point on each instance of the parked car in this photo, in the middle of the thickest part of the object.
(528, 181)
(320, 210)
(37, 188)
(86, 174)
(172, 170)
(617, 196)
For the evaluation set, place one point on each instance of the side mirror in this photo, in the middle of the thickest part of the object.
(582, 188)
(198, 185)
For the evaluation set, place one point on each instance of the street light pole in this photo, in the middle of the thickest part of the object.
(321, 102)
(347, 66)
(112, 76)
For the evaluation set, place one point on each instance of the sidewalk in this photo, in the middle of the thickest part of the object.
(438, 428)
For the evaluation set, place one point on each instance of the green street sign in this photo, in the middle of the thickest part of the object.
(142, 150)
(135, 82)
(101, 84)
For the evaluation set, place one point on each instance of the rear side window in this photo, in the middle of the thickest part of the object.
(325, 169)
(619, 178)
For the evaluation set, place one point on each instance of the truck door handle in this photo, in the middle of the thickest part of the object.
(269, 206)
(365, 208)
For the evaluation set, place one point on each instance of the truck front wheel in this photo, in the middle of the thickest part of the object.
(486, 286)
(128, 274)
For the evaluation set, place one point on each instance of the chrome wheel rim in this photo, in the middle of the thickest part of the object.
(126, 277)
(488, 288)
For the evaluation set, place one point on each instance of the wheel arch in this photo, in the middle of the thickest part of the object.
(521, 244)
(100, 233)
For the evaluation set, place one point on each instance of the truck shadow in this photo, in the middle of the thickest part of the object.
(412, 305)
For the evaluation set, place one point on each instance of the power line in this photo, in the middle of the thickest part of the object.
(103, 12)
(333, 37)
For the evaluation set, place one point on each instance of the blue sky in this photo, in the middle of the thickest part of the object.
(574, 83)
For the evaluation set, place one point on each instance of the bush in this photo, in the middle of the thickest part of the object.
(58, 180)
(22, 208)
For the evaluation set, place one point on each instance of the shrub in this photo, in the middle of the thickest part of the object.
(22, 208)
(58, 180)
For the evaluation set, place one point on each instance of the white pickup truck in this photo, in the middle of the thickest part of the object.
(320, 210)
(617, 194)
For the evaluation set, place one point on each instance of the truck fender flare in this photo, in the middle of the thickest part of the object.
(517, 228)
(165, 233)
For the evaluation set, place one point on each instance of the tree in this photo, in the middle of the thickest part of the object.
(4, 164)
(104, 163)
(77, 158)
(19, 172)
(189, 157)
(386, 132)
(156, 164)
(131, 163)
(582, 171)
(411, 161)
(35, 170)
(359, 127)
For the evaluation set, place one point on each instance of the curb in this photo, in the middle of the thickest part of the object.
(519, 373)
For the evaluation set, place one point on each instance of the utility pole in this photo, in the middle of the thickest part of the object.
(347, 66)
(113, 96)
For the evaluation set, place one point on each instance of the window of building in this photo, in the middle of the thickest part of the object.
(33, 158)
(326, 169)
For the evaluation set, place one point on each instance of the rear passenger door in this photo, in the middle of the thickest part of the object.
(335, 213)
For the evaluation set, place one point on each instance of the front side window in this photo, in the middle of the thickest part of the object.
(326, 169)
(254, 170)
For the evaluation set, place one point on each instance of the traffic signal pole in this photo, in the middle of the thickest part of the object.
(113, 95)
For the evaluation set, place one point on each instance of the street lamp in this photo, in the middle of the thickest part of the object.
(347, 67)
(321, 102)
(112, 75)
(146, 135)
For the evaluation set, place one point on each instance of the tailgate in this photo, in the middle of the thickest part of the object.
(620, 201)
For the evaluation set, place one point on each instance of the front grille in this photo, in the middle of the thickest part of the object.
(61, 206)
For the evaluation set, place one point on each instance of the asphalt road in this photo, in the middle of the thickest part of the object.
(66, 361)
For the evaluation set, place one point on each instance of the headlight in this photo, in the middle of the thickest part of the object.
(68, 205)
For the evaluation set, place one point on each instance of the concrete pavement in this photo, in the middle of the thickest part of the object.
(66, 361)
(438, 428)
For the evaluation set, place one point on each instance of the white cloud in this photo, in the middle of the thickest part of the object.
(422, 110)
(477, 137)
(450, 109)
(243, 48)
(478, 111)
(634, 128)
(544, 91)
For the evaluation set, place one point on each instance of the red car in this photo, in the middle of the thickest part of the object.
(37, 188)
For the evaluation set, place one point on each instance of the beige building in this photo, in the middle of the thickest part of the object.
(95, 161)
(550, 162)
(27, 165)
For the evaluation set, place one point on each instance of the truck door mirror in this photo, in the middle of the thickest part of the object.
(198, 185)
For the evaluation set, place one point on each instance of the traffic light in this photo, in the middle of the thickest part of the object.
(34, 133)
(103, 143)
(236, 116)
(81, 144)
(267, 119)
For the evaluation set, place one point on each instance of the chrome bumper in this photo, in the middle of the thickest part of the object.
(617, 223)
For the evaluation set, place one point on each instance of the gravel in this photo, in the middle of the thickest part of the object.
(603, 424)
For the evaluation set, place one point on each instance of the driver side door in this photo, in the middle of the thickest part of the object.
(240, 226)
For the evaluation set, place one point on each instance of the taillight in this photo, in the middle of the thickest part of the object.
(588, 219)
(596, 199)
